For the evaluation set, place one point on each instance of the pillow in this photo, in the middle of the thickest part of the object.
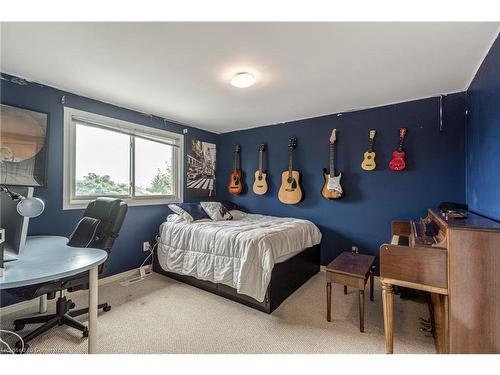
(237, 214)
(216, 211)
(189, 211)
(174, 218)
(231, 206)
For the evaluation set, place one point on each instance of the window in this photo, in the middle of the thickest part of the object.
(114, 158)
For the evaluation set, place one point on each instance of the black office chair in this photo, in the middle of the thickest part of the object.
(110, 214)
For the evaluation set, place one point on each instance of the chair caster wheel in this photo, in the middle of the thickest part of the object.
(18, 327)
(85, 333)
(106, 308)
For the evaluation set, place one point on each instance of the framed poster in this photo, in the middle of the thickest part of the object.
(23, 146)
(201, 163)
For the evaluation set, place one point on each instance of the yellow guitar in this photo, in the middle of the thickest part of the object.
(368, 163)
(290, 191)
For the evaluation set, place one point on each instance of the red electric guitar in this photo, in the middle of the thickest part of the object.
(398, 157)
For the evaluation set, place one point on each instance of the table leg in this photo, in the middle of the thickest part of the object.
(328, 301)
(345, 289)
(371, 285)
(92, 311)
(42, 307)
(361, 310)
(387, 300)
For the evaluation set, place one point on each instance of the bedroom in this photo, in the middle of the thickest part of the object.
(330, 184)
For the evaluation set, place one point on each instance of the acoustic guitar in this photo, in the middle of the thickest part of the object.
(331, 186)
(398, 157)
(368, 163)
(290, 191)
(260, 186)
(235, 186)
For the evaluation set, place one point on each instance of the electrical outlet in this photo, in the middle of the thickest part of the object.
(146, 246)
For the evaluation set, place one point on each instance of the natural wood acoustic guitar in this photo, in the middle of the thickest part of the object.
(368, 163)
(260, 186)
(290, 191)
(331, 186)
(235, 184)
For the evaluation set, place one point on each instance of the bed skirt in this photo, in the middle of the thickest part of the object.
(286, 278)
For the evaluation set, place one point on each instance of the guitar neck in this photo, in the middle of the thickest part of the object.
(236, 155)
(370, 145)
(260, 161)
(332, 161)
(290, 153)
(400, 146)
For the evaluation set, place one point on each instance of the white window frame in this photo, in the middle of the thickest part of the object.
(69, 158)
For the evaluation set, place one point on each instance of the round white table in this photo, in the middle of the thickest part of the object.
(46, 258)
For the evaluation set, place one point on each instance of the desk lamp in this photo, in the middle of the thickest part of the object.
(27, 207)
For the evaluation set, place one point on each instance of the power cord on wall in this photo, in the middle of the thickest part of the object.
(142, 271)
(9, 349)
(151, 253)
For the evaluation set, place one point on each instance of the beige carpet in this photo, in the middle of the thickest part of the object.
(160, 315)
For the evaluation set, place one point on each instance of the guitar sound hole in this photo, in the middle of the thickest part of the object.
(289, 180)
(369, 157)
(259, 178)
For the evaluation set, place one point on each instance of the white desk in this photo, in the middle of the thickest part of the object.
(47, 258)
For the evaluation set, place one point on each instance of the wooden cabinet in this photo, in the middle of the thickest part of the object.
(460, 266)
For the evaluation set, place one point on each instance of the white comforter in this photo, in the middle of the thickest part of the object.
(239, 253)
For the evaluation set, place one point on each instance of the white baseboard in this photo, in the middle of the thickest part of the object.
(34, 303)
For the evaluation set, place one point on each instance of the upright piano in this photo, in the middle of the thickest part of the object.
(456, 260)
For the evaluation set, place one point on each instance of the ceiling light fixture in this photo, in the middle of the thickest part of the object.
(243, 80)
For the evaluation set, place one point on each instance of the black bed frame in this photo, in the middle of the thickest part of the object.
(286, 278)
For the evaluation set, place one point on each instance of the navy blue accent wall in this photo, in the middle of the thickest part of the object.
(372, 199)
(435, 170)
(141, 223)
(483, 137)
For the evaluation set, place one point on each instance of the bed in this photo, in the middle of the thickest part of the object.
(254, 259)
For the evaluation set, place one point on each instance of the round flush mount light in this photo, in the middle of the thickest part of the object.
(243, 80)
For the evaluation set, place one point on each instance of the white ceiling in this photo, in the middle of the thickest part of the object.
(180, 71)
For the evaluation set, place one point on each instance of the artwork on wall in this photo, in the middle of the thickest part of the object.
(23, 146)
(201, 163)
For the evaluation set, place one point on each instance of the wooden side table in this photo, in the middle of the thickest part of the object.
(352, 270)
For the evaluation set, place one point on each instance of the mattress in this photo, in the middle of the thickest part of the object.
(238, 253)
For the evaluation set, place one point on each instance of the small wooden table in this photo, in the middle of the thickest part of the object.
(350, 269)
